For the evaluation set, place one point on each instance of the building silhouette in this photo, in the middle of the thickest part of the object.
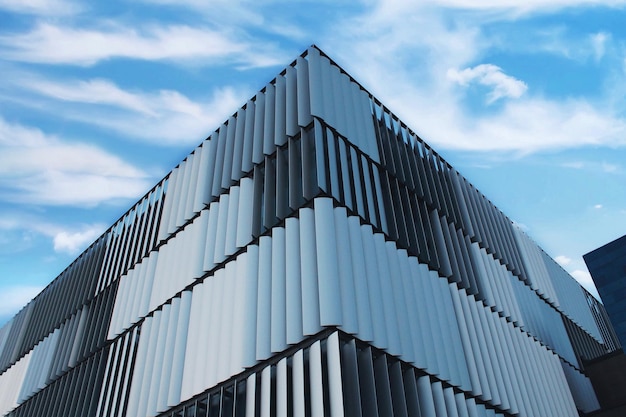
(313, 256)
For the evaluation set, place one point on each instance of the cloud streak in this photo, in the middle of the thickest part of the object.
(43, 170)
(55, 44)
(163, 117)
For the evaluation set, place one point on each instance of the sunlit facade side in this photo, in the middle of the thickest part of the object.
(311, 257)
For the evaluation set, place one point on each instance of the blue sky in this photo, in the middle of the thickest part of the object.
(99, 100)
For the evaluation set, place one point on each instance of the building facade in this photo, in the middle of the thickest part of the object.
(607, 266)
(312, 257)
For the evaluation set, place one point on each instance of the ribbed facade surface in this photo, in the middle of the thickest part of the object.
(312, 257)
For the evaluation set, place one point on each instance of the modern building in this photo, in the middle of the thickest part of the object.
(607, 266)
(312, 257)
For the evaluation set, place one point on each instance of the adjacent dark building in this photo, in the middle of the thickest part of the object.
(312, 257)
(607, 266)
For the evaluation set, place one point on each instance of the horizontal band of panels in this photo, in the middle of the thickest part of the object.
(337, 375)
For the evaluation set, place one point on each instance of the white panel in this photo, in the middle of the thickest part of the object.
(330, 114)
(248, 137)
(281, 388)
(259, 120)
(432, 323)
(373, 285)
(315, 83)
(488, 384)
(315, 380)
(335, 386)
(190, 367)
(237, 358)
(146, 377)
(480, 386)
(209, 249)
(266, 392)
(212, 342)
(229, 153)
(417, 356)
(168, 356)
(280, 134)
(304, 99)
(473, 383)
(178, 357)
(190, 209)
(440, 327)
(450, 400)
(250, 395)
(346, 281)
(218, 169)
(168, 205)
(230, 245)
(162, 321)
(237, 170)
(291, 110)
(340, 110)
(394, 280)
(268, 124)
(183, 185)
(425, 394)
(202, 188)
(225, 315)
(327, 263)
(508, 394)
(264, 313)
(244, 213)
(461, 404)
(308, 263)
(298, 385)
(359, 278)
(278, 325)
(493, 371)
(293, 284)
(222, 222)
(250, 306)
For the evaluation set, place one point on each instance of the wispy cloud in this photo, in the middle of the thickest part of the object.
(163, 117)
(491, 76)
(44, 170)
(41, 7)
(15, 297)
(403, 54)
(55, 44)
(525, 7)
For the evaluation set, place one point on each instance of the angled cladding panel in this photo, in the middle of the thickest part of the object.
(341, 103)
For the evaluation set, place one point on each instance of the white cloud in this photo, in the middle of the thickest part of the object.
(13, 298)
(598, 206)
(72, 242)
(402, 54)
(163, 117)
(563, 260)
(40, 7)
(524, 7)
(43, 170)
(96, 91)
(598, 41)
(51, 44)
(491, 76)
